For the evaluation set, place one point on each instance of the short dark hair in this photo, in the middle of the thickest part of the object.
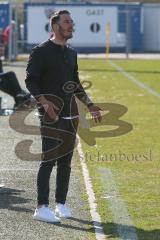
(56, 16)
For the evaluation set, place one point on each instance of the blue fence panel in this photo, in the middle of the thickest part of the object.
(136, 34)
(4, 15)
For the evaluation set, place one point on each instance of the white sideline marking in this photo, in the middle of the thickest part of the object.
(91, 197)
(125, 226)
(135, 80)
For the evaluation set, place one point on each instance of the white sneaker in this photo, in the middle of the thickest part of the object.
(45, 214)
(62, 211)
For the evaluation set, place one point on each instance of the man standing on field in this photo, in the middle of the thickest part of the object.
(52, 77)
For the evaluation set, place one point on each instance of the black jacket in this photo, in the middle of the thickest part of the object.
(53, 70)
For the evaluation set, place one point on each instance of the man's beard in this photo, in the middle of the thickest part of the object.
(68, 37)
(61, 31)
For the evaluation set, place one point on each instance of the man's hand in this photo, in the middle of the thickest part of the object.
(50, 107)
(95, 112)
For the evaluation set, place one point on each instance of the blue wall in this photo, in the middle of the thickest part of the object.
(136, 37)
(4, 15)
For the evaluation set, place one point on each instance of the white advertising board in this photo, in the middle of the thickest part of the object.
(90, 24)
(151, 19)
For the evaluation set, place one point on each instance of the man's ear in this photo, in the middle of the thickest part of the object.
(55, 27)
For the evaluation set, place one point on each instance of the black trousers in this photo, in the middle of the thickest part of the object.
(58, 142)
(9, 84)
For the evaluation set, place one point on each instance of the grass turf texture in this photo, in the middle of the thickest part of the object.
(137, 178)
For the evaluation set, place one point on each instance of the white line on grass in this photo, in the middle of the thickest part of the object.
(91, 196)
(121, 217)
(135, 80)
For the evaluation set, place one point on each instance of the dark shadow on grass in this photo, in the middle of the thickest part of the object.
(10, 197)
(114, 71)
(111, 229)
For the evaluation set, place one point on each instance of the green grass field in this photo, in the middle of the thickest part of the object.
(133, 156)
